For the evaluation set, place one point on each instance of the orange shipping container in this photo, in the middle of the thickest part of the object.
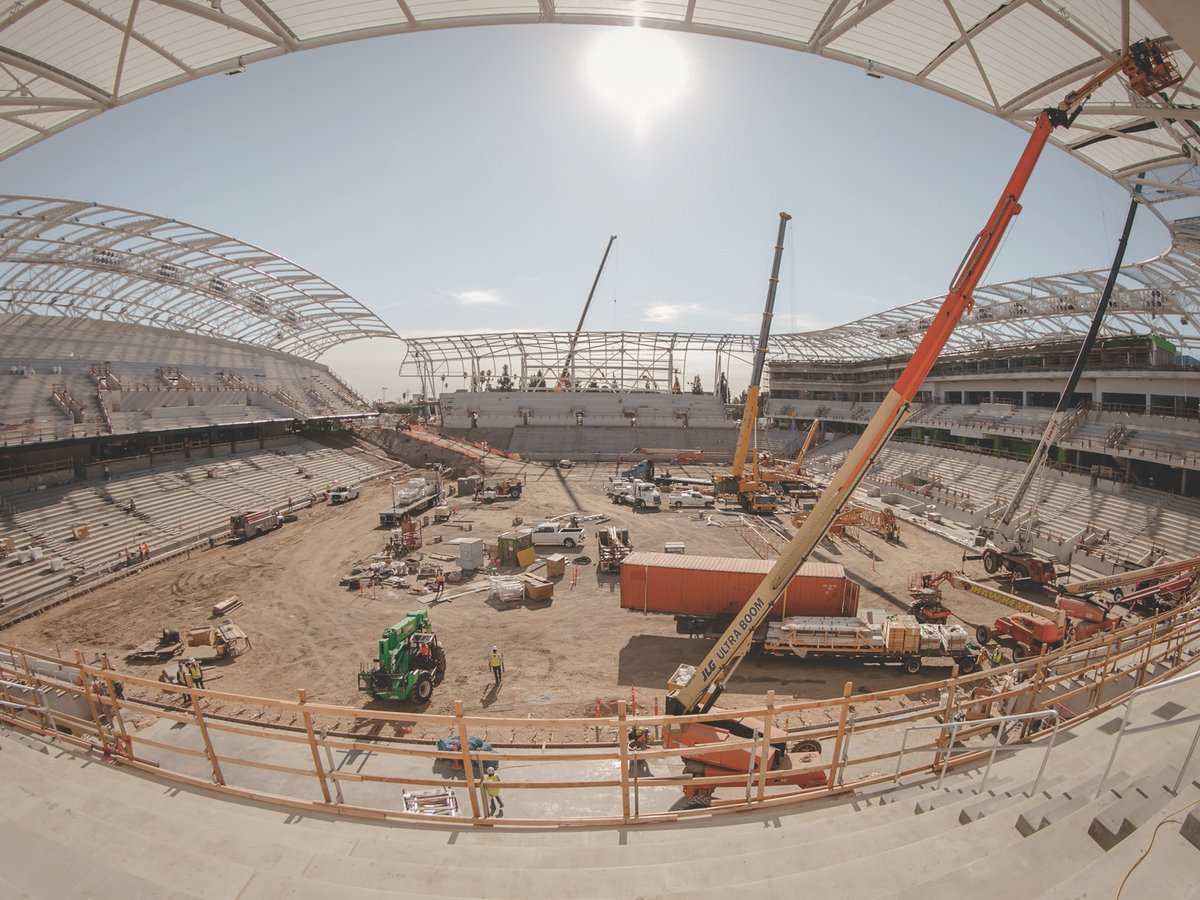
(720, 586)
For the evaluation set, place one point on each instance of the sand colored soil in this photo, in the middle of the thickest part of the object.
(561, 656)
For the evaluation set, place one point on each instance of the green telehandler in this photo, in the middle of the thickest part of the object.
(411, 662)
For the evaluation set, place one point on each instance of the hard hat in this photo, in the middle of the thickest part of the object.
(493, 649)
(491, 770)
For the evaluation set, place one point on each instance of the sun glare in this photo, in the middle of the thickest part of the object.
(637, 71)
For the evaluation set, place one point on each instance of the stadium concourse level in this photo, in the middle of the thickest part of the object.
(1109, 525)
(1168, 440)
(63, 378)
(169, 507)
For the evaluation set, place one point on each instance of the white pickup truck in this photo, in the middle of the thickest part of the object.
(343, 494)
(638, 494)
(556, 534)
(680, 499)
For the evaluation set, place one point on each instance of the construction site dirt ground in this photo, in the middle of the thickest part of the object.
(561, 656)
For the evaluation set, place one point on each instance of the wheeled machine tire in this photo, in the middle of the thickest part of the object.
(423, 689)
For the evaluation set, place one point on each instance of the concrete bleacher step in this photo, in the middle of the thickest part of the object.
(1041, 864)
(125, 799)
(995, 801)
(939, 798)
(336, 866)
(892, 870)
(1155, 861)
(1191, 827)
(1135, 807)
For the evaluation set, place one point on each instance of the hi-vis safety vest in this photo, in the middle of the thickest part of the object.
(496, 663)
(195, 671)
(492, 785)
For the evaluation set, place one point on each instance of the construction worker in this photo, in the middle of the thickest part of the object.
(196, 672)
(496, 661)
(997, 656)
(981, 660)
(181, 677)
(439, 583)
(492, 786)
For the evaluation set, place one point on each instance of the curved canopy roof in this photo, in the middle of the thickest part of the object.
(1160, 296)
(62, 61)
(77, 259)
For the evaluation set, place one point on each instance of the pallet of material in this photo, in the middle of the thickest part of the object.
(954, 638)
(537, 588)
(508, 590)
(931, 637)
(226, 606)
(901, 633)
(431, 803)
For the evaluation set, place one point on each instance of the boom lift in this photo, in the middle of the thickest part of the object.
(694, 689)
(1007, 546)
(750, 490)
(1114, 583)
(1080, 614)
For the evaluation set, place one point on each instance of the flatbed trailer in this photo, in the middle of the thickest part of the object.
(871, 636)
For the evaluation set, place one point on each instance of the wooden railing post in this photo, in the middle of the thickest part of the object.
(110, 686)
(947, 716)
(847, 692)
(93, 706)
(767, 725)
(1140, 679)
(473, 788)
(312, 745)
(1101, 673)
(218, 776)
(1035, 688)
(623, 752)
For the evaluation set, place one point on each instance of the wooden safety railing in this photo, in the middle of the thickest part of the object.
(595, 775)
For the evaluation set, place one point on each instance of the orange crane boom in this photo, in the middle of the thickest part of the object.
(694, 689)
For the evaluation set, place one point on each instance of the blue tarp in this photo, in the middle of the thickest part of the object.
(474, 745)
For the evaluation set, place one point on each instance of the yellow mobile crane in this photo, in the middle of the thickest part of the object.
(694, 689)
(787, 475)
(750, 490)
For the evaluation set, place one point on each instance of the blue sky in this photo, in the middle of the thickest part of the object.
(468, 180)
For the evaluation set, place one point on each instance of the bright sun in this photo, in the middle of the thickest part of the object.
(638, 71)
